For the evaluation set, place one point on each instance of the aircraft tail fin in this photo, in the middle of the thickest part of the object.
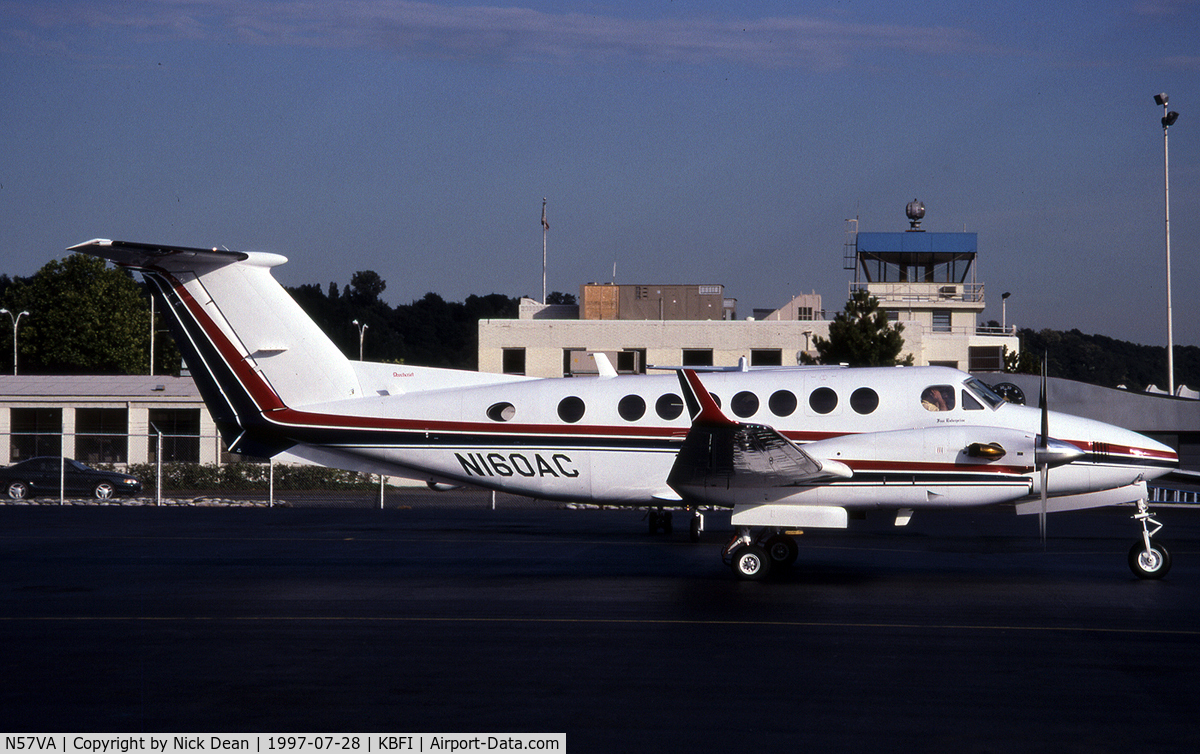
(249, 346)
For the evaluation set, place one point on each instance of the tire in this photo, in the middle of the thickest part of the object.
(1149, 565)
(782, 550)
(750, 563)
(18, 490)
(652, 522)
(105, 491)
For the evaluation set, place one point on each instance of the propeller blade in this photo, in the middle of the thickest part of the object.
(1044, 445)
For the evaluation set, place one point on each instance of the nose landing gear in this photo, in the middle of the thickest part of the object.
(1147, 559)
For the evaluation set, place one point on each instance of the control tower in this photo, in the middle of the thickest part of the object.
(927, 282)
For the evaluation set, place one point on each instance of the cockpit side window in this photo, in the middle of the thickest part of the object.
(983, 392)
(970, 403)
(938, 398)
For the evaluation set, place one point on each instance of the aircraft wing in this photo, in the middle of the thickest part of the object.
(721, 454)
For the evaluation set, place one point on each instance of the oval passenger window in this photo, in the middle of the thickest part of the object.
(864, 400)
(782, 403)
(570, 409)
(744, 404)
(631, 408)
(669, 406)
(823, 400)
(501, 412)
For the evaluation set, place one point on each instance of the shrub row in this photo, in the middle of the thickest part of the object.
(245, 477)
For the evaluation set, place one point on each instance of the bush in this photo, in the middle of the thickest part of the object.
(247, 477)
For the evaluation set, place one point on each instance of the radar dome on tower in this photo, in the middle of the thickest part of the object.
(915, 211)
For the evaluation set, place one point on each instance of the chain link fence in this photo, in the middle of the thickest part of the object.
(54, 468)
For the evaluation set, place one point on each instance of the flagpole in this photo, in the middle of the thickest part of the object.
(545, 227)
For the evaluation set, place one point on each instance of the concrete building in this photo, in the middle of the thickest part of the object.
(105, 419)
(925, 281)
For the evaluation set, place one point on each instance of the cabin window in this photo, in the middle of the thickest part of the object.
(782, 403)
(744, 404)
(823, 400)
(864, 400)
(570, 409)
(938, 398)
(969, 402)
(716, 400)
(501, 412)
(631, 408)
(669, 406)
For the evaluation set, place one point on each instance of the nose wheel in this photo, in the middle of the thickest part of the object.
(1148, 559)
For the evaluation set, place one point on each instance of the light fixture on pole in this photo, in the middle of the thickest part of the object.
(1004, 310)
(1168, 120)
(361, 331)
(15, 320)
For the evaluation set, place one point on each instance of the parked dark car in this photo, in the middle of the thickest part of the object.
(39, 477)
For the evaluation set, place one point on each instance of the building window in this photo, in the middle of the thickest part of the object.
(631, 361)
(512, 361)
(697, 357)
(804, 313)
(35, 432)
(985, 359)
(180, 428)
(766, 357)
(941, 321)
(101, 435)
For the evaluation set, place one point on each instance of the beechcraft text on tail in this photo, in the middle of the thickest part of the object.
(784, 448)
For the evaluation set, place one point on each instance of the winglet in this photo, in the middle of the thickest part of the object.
(700, 404)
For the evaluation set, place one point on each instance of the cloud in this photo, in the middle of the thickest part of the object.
(500, 33)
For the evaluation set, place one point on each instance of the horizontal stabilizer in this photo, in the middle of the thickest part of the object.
(141, 256)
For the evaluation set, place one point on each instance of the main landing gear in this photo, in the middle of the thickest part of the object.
(1147, 559)
(659, 520)
(752, 557)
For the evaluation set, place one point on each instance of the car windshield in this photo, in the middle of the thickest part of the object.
(983, 392)
(77, 465)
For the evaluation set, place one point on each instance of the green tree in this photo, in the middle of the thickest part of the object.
(85, 318)
(861, 336)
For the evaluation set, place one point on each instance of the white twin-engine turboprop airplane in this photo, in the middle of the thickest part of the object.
(785, 448)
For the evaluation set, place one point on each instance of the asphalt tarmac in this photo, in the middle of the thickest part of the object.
(957, 633)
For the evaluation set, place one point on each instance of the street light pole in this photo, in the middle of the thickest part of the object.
(361, 331)
(1168, 120)
(15, 320)
(1004, 311)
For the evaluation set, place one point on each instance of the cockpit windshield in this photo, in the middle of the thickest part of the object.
(983, 392)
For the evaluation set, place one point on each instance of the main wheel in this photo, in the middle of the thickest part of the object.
(104, 491)
(1149, 564)
(18, 490)
(751, 563)
(782, 549)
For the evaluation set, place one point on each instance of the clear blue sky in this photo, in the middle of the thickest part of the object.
(690, 142)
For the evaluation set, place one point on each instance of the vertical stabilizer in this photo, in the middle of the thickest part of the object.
(248, 344)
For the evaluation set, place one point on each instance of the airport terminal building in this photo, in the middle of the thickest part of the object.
(925, 281)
